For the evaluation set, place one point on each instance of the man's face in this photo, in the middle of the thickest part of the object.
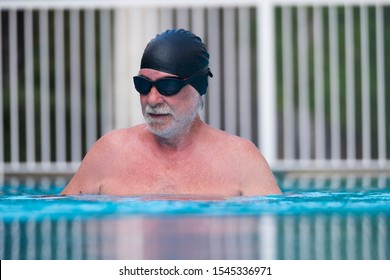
(168, 116)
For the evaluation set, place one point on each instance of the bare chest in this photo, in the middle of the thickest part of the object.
(196, 177)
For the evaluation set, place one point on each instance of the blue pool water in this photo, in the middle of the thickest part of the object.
(300, 224)
(41, 207)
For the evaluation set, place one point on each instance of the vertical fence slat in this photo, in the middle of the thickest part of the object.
(287, 73)
(381, 107)
(183, 15)
(44, 85)
(213, 27)
(166, 18)
(105, 71)
(366, 114)
(350, 84)
(198, 27)
(90, 77)
(304, 113)
(29, 72)
(266, 82)
(334, 84)
(151, 28)
(198, 22)
(230, 93)
(244, 73)
(120, 45)
(59, 86)
(151, 25)
(135, 49)
(14, 89)
(318, 34)
(75, 88)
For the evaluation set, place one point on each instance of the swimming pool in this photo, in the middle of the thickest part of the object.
(312, 220)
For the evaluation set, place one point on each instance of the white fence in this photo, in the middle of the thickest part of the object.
(306, 83)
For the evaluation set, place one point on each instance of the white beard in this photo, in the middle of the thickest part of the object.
(175, 127)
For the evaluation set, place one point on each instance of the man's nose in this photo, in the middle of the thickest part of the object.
(154, 97)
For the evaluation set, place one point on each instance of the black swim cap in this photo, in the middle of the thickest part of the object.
(178, 52)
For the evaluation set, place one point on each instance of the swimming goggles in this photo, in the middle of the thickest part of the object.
(166, 86)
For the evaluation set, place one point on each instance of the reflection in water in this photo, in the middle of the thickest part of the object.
(246, 237)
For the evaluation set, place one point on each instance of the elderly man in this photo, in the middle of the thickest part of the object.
(174, 152)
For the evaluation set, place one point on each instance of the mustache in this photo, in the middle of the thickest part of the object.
(158, 110)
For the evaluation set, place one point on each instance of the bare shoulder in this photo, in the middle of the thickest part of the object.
(256, 176)
(120, 136)
(234, 144)
(117, 141)
(99, 161)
